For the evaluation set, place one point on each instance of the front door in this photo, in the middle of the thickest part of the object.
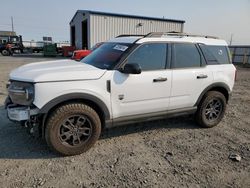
(148, 92)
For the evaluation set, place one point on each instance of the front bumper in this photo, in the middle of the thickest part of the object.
(21, 113)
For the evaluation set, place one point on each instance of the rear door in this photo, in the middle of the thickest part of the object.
(190, 75)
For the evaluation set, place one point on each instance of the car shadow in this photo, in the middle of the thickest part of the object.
(16, 143)
(183, 122)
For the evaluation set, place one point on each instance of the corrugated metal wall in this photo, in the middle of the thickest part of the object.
(104, 28)
(78, 29)
(240, 54)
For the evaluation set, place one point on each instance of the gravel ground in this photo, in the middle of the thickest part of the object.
(167, 153)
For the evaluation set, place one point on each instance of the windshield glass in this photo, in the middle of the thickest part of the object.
(107, 55)
(96, 46)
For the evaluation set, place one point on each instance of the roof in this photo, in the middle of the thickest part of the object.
(239, 46)
(202, 40)
(127, 16)
(140, 40)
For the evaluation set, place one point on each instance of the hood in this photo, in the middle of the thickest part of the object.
(60, 70)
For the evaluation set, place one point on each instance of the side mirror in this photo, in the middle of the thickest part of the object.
(132, 68)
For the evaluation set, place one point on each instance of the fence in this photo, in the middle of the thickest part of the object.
(240, 54)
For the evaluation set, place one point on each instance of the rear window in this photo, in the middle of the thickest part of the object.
(215, 54)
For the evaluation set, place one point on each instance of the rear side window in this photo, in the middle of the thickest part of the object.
(215, 54)
(186, 55)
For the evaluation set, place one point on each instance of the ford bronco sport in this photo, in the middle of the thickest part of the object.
(128, 79)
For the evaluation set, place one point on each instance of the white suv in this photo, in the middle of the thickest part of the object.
(126, 80)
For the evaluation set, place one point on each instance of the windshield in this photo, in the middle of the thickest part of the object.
(96, 46)
(107, 55)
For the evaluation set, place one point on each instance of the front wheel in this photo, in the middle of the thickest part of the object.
(211, 110)
(72, 129)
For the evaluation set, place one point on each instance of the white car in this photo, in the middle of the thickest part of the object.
(128, 79)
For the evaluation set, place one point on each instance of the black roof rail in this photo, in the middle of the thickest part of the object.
(173, 33)
(129, 35)
(154, 34)
(190, 35)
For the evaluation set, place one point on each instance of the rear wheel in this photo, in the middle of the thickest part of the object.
(211, 110)
(5, 53)
(72, 129)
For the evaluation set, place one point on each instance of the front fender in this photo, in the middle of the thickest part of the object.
(74, 96)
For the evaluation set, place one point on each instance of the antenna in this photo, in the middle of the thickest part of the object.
(231, 39)
(12, 24)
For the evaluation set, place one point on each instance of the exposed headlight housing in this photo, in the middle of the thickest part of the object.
(21, 93)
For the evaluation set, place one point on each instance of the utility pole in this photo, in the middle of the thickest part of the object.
(231, 39)
(12, 24)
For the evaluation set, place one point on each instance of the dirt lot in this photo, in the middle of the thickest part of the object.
(167, 153)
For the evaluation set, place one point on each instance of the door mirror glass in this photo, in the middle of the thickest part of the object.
(132, 68)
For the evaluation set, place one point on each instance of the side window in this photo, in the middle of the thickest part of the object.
(186, 55)
(150, 56)
(4, 41)
(215, 54)
(210, 58)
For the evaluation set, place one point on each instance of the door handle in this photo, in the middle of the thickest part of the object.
(160, 79)
(202, 76)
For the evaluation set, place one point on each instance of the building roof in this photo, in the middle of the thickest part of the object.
(126, 15)
(7, 33)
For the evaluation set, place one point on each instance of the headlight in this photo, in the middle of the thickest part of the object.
(8, 85)
(21, 93)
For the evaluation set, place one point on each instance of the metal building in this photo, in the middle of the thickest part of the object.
(90, 27)
(240, 54)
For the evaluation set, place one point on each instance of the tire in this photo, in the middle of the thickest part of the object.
(211, 109)
(5, 53)
(23, 123)
(72, 129)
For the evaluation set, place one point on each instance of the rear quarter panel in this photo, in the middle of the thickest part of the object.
(224, 73)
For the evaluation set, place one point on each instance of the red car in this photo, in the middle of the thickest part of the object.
(80, 54)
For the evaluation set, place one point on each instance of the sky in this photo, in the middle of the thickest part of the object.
(34, 19)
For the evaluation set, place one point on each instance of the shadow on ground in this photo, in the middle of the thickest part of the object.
(16, 143)
(185, 122)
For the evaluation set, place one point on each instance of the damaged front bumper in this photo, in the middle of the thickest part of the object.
(28, 117)
(21, 113)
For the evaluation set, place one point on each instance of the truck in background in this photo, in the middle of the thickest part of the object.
(10, 37)
(37, 47)
(18, 45)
